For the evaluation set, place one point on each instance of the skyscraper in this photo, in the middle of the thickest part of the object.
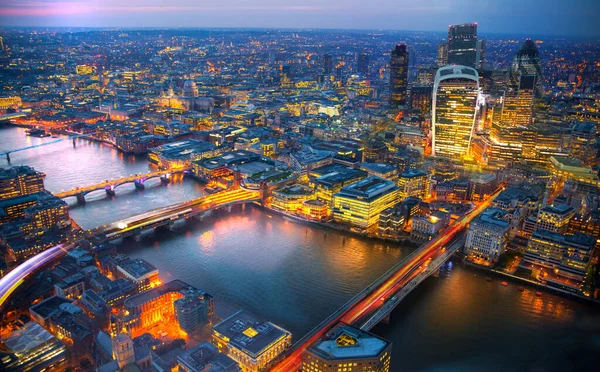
(327, 64)
(442, 56)
(527, 60)
(398, 75)
(454, 107)
(363, 63)
(462, 45)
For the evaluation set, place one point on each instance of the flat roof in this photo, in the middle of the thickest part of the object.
(172, 286)
(137, 268)
(347, 342)
(249, 334)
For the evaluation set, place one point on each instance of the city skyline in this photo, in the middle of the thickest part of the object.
(534, 18)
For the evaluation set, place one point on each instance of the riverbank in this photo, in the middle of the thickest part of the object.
(529, 282)
(339, 227)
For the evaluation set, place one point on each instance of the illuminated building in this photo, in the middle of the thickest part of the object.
(363, 64)
(204, 358)
(517, 104)
(519, 201)
(453, 190)
(123, 351)
(10, 102)
(488, 235)
(180, 155)
(347, 348)
(84, 69)
(71, 287)
(442, 55)
(462, 45)
(20, 181)
(424, 228)
(567, 256)
(564, 168)
(555, 218)
(359, 204)
(392, 220)
(527, 60)
(31, 347)
(223, 166)
(480, 56)
(382, 170)
(454, 106)
(305, 160)
(414, 182)
(583, 140)
(398, 75)
(194, 310)
(329, 180)
(482, 186)
(117, 292)
(140, 272)
(291, 198)
(252, 343)
(420, 98)
(154, 306)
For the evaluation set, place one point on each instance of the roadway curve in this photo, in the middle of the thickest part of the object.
(17, 276)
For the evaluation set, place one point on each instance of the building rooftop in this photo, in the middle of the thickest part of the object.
(381, 168)
(412, 173)
(13, 172)
(49, 306)
(137, 268)
(494, 217)
(561, 209)
(368, 188)
(27, 338)
(347, 342)
(249, 334)
(205, 357)
(172, 286)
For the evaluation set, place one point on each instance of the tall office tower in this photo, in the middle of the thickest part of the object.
(398, 75)
(517, 105)
(442, 56)
(462, 45)
(454, 108)
(527, 60)
(327, 64)
(363, 64)
(480, 58)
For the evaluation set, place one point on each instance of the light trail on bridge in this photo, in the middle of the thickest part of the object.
(375, 298)
(14, 278)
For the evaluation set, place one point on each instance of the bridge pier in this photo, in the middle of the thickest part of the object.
(202, 215)
(139, 184)
(164, 179)
(8, 157)
(80, 198)
(143, 234)
(110, 191)
(177, 224)
(386, 319)
(74, 144)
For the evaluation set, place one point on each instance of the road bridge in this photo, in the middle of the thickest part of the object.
(126, 227)
(363, 309)
(109, 186)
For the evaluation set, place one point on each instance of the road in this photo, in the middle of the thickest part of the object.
(12, 280)
(377, 296)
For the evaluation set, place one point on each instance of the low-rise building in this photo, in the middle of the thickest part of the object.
(252, 343)
(487, 236)
(359, 204)
(424, 228)
(347, 348)
(142, 273)
(205, 357)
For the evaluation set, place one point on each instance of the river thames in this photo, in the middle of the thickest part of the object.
(296, 275)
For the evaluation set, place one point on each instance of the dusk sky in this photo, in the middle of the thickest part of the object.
(527, 17)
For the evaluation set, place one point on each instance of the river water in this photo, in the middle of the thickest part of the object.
(296, 275)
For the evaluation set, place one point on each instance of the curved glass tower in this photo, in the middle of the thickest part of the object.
(453, 113)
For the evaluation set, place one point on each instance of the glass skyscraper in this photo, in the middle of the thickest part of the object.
(454, 107)
(462, 45)
(399, 75)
